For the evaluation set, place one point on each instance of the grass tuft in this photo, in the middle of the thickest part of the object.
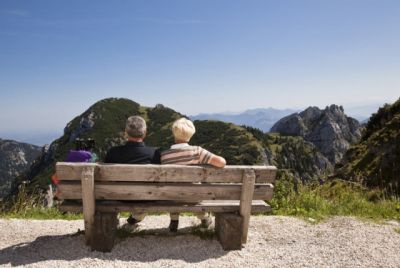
(30, 206)
(335, 198)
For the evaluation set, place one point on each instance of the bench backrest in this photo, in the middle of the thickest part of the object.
(163, 182)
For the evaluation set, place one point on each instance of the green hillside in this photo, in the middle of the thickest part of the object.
(105, 121)
(237, 145)
(375, 160)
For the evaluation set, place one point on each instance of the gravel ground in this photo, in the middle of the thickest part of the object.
(273, 242)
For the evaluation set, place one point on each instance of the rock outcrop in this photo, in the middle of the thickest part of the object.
(15, 158)
(330, 130)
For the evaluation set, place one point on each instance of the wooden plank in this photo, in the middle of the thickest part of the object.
(88, 200)
(166, 173)
(165, 191)
(72, 171)
(258, 206)
(245, 201)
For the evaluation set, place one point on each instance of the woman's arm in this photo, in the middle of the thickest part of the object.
(217, 161)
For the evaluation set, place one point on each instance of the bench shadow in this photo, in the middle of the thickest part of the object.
(147, 246)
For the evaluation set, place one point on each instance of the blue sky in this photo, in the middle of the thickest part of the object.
(59, 57)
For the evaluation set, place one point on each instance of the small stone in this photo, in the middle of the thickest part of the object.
(393, 222)
(311, 220)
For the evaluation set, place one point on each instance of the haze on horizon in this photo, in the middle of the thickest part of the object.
(58, 58)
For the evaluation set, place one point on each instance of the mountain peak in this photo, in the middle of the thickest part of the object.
(329, 129)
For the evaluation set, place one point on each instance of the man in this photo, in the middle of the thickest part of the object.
(134, 151)
(181, 153)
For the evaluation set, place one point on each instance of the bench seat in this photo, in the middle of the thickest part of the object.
(215, 206)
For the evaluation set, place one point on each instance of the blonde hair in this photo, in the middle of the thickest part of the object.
(183, 129)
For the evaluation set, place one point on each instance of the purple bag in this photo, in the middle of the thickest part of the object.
(79, 156)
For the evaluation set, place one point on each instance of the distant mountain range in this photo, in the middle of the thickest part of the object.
(38, 138)
(265, 118)
(262, 119)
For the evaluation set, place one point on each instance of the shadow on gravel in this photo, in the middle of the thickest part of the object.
(148, 246)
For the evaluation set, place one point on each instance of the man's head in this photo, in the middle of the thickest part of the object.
(135, 127)
(183, 130)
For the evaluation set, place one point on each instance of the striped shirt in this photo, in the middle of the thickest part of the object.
(185, 154)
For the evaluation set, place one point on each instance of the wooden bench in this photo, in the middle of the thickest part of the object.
(232, 193)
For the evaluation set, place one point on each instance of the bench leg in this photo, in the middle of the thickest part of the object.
(104, 231)
(229, 229)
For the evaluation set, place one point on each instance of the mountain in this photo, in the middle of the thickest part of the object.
(105, 121)
(258, 118)
(375, 159)
(330, 130)
(15, 158)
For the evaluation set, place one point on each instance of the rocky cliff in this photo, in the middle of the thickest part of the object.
(15, 158)
(330, 130)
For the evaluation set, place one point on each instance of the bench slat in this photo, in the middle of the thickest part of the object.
(165, 191)
(165, 173)
(88, 201)
(216, 206)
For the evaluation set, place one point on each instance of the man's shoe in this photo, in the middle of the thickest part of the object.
(173, 226)
(132, 221)
(206, 222)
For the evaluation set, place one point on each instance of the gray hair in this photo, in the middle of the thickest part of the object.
(135, 127)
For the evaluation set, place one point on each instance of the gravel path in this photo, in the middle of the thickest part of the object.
(273, 242)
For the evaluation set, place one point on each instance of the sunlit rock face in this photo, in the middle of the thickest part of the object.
(15, 158)
(330, 130)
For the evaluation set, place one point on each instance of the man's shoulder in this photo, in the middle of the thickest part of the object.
(116, 148)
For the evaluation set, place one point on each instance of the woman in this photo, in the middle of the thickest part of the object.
(181, 153)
